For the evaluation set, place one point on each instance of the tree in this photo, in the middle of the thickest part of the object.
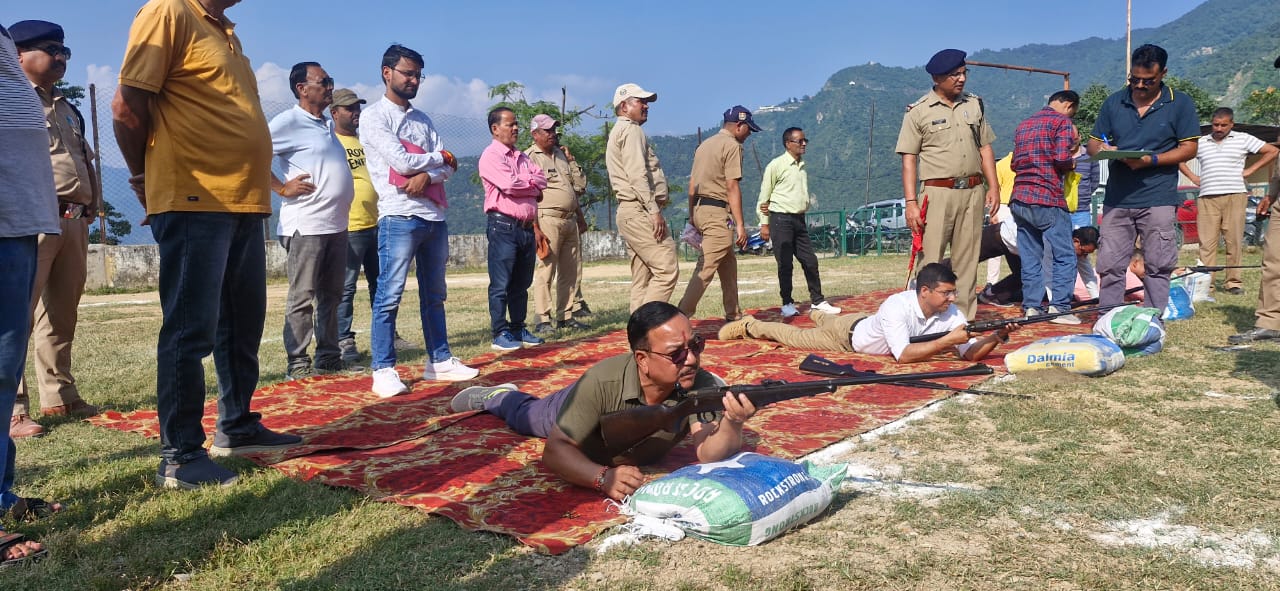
(1205, 103)
(1263, 106)
(73, 94)
(1090, 105)
(117, 226)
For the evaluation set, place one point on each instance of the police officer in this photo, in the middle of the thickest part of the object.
(715, 209)
(945, 143)
(641, 187)
(61, 272)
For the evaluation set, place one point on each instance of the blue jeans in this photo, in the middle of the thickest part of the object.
(1081, 219)
(213, 295)
(402, 240)
(1040, 226)
(362, 251)
(17, 279)
(512, 256)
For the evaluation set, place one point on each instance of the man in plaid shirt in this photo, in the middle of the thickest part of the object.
(1042, 156)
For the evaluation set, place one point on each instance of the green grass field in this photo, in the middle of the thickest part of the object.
(1161, 476)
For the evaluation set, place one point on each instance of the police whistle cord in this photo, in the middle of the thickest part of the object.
(822, 366)
(990, 325)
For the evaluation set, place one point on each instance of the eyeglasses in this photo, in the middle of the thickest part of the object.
(53, 50)
(416, 75)
(326, 82)
(947, 294)
(1136, 81)
(803, 142)
(681, 355)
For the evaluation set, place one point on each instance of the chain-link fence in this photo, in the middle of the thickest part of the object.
(122, 212)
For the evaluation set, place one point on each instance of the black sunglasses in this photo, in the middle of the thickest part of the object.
(53, 50)
(681, 355)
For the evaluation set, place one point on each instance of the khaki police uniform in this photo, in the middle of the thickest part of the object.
(717, 161)
(1268, 314)
(641, 188)
(946, 140)
(60, 275)
(558, 219)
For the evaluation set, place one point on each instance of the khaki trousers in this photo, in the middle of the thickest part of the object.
(1222, 216)
(560, 267)
(717, 257)
(654, 268)
(1269, 290)
(830, 334)
(955, 218)
(55, 304)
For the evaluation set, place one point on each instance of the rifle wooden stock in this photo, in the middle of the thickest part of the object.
(823, 366)
(625, 432)
(990, 325)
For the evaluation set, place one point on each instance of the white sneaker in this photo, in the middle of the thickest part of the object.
(823, 306)
(449, 370)
(386, 383)
(1068, 319)
(789, 310)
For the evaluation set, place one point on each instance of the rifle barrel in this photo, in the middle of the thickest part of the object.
(990, 325)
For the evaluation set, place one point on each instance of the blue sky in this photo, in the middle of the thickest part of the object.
(699, 56)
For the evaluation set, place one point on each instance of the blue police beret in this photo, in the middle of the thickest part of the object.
(945, 61)
(28, 32)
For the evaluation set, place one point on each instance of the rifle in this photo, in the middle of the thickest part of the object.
(1190, 271)
(990, 325)
(823, 366)
(626, 433)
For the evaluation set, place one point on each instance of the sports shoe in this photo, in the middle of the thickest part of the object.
(336, 366)
(449, 370)
(987, 297)
(1235, 290)
(349, 352)
(264, 440)
(194, 474)
(1031, 312)
(583, 312)
(1068, 319)
(572, 324)
(1254, 335)
(789, 310)
(400, 344)
(544, 328)
(528, 339)
(736, 329)
(386, 383)
(299, 372)
(506, 342)
(825, 306)
(473, 398)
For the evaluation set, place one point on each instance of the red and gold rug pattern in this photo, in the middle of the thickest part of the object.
(414, 451)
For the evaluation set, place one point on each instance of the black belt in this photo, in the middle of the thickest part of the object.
(700, 200)
(855, 325)
(526, 224)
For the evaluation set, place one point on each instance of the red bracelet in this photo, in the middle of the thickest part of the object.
(600, 477)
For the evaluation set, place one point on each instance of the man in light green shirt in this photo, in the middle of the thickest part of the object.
(784, 197)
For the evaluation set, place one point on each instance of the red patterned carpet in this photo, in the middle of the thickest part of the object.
(469, 467)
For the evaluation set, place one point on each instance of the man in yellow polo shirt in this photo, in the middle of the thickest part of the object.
(189, 123)
(715, 209)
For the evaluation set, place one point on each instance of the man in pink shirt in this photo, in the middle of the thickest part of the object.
(513, 185)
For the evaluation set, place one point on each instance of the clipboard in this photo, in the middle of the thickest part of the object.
(1120, 154)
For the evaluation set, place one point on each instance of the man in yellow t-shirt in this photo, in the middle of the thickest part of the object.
(362, 226)
(190, 125)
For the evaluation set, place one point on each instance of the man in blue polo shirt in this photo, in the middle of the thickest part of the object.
(1142, 195)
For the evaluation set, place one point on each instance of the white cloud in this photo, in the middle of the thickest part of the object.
(273, 88)
(453, 96)
(103, 76)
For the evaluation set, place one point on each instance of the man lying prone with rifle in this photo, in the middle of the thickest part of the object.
(632, 409)
(929, 310)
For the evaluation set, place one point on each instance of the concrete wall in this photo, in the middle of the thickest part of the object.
(137, 267)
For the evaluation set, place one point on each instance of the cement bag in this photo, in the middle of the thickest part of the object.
(1200, 285)
(1179, 307)
(1085, 354)
(1134, 328)
(742, 501)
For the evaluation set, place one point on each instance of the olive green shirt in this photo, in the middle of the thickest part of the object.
(634, 171)
(565, 181)
(946, 138)
(717, 161)
(609, 386)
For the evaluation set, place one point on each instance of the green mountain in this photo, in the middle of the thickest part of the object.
(1224, 46)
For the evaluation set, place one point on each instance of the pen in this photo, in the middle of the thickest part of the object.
(1106, 140)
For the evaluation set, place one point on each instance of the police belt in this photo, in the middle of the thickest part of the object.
(960, 182)
(700, 200)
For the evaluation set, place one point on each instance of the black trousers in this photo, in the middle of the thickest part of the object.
(790, 238)
(1009, 289)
